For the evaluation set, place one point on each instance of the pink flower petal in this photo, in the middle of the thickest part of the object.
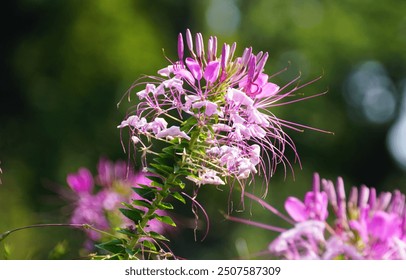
(384, 225)
(238, 97)
(211, 108)
(185, 74)
(268, 90)
(172, 132)
(81, 182)
(296, 209)
(212, 71)
(166, 71)
(194, 68)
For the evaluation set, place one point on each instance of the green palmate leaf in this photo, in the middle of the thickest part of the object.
(165, 206)
(165, 219)
(149, 244)
(134, 215)
(146, 193)
(156, 235)
(179, 197)
(115, 246)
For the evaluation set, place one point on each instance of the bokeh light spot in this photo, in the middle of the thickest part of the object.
(396, 140)
(223, 16)
(370, 93)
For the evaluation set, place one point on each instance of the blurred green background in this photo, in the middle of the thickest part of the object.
(65, 65)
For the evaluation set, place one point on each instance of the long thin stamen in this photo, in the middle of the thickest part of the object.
(269, 207)
(256, 224)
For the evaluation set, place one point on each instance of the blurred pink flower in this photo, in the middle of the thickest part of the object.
(81, 182)
(366, 226)
(98, 207)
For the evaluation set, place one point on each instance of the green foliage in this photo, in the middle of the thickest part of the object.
(134, 215)
(6, 251)
(162, 169)
(141, 203)
(166, 175)
(165, 219)
(157, 236)
(165, 206)
(115, 246)
(146, 192)
(59, 251)
(178, 196)
(148, 244)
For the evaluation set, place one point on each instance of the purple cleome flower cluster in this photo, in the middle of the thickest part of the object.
(220, 104)
(98, 206)
(366, 226)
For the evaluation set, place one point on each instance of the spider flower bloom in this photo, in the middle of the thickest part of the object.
(99, 206)
(218, 105)
(327, 225)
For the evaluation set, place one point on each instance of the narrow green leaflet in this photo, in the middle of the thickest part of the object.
(165, 206)
(165, 219)
(163, 170)
(115, 246)
(179, 197)
(134, 215)
(126, 232)
(141, 203)
(158, 236)
(147, 193)
(148, 244)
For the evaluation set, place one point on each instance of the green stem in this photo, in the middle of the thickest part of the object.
(151, 211)
(162, 194)
(4, 235)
